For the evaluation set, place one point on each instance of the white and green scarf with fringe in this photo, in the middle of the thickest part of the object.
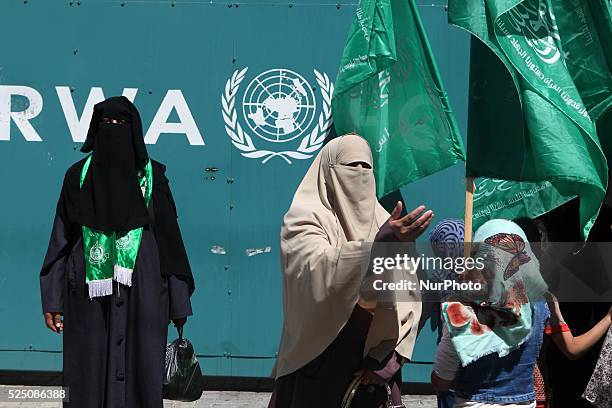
(112, 255)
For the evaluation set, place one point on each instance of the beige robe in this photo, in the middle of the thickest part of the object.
(326, 239)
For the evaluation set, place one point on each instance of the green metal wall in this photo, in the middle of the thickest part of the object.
(177, 51)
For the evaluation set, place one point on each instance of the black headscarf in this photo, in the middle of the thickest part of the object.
(111, 198)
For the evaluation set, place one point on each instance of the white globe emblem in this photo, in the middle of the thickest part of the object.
(279, 105)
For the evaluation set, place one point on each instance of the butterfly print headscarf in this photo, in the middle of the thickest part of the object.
(497, 319)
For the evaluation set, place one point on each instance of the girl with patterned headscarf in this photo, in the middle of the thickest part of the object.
(447, 241)
(495, 335)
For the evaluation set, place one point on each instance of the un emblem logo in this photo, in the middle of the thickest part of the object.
(279, 106)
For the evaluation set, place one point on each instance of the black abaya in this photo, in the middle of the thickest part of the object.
(114, 346)
(323, 382)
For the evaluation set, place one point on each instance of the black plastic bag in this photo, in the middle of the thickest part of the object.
(182, 375)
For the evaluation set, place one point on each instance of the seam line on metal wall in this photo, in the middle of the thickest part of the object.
(228, 356)
(211, 3)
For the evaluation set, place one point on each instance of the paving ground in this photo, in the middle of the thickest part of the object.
(219, 399)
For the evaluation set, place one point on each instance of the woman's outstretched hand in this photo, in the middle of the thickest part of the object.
(179, 322)
(409, 227)
(54, 321)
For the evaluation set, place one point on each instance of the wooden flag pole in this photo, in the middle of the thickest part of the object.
(469, 210)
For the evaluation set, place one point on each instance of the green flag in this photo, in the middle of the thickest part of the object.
(496, 198)
(540, 87)
(389, 91)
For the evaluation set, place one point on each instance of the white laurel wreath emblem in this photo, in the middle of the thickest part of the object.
(243, 142)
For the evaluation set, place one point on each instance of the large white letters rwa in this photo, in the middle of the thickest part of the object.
(174, 99)
(31, 105)
(21, 117)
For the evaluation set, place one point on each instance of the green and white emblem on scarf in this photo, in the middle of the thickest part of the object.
(112, 255)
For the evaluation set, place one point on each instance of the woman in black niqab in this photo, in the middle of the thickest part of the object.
(111, 199)
(114, 345)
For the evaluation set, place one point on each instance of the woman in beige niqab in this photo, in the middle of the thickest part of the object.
(326, 239)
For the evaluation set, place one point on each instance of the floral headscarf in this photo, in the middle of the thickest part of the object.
(497, 319)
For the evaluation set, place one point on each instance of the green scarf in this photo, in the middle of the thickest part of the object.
(112, 255)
